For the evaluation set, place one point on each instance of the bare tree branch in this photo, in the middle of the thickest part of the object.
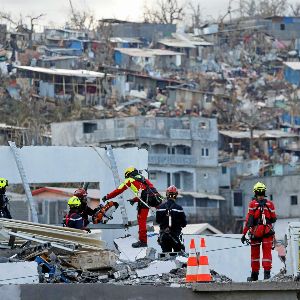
(295, 8)
(164, 11)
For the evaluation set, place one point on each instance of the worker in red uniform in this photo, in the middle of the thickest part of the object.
(84, 209)
(146, 196)
(259, 222)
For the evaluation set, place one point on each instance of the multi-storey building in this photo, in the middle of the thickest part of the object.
(182, 151)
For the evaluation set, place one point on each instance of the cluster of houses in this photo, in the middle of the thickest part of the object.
(216, 108)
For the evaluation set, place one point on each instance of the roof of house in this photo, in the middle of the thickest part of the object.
(56, 58)
(125, 40)
(64, 72)
(264, 134)
(295, 65)
(177, 43)
(196, 229)
(146, 52)
(92, 193)
(203, 195)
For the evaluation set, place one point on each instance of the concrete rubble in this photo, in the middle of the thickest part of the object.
(47, 264)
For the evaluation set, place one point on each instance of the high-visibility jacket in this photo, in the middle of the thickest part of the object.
(138, 184)
(255, 218)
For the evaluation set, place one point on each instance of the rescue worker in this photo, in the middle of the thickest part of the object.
(171, 219)
(84, 209)
(149, 197)
(74, 218)
(259, 222)
(4, 211)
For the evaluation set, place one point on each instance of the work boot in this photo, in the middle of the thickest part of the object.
(139, 244)
(254, 276)
(267, 274)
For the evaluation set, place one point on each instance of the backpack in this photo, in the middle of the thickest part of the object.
(262, 228)
(150, 194)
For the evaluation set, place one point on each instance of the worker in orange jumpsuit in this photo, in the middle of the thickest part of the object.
(259, 222)
(146, 196)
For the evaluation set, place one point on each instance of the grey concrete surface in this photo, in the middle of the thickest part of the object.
(244, 291)
(10, 292)
(247, 286)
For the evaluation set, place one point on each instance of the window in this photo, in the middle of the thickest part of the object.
(177, 180)
(294, 200)
(89, 127)
(153, 176)
(171, 150)
(224, 170)
(201, 202)
(205, 175)
(204, 152)
(282, 26)
(213, 203)
(208, 98)
(168, 179)
(237, 199)
(202, 125)
(186, 201)
(271, 197)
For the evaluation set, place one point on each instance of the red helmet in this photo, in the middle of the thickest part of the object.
(172, 192)
(80, 193)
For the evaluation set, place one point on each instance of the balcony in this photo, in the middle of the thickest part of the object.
(168, 159)
(180, 134)
(118, 134)
(154, 133)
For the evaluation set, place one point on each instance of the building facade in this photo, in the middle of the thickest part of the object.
(182, 151)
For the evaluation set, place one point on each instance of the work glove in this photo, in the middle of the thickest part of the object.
(104, 199)
(243, 239)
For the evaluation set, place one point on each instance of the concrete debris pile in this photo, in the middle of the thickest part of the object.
(282, 277)
(53, 261)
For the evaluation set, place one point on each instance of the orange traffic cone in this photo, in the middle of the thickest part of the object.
(192, 264)
(203, 274)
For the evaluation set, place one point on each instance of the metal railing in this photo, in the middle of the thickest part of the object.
(168, 159)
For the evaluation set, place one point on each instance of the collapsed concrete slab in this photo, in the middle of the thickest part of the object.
(157, 268)
(127, 253)
(19, 273)
(95, 260)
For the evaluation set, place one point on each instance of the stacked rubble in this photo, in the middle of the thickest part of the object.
(56, 262)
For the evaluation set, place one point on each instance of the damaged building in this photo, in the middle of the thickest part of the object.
(88, 86)
(182, 151)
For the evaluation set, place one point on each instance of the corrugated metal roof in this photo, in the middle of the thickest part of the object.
(295, 65)
(125, 40)
(195, 229)
(146, 52)
(258, 134)
(56, 58)
(177, 43)
(203, 195)
(64, 72)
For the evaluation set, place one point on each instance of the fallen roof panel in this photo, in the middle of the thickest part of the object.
(147, 52)
(263, 134)
(63, 72)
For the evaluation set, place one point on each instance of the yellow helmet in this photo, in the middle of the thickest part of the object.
(74, 202)
(259, 187)
(129, 170)
(3, 183)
